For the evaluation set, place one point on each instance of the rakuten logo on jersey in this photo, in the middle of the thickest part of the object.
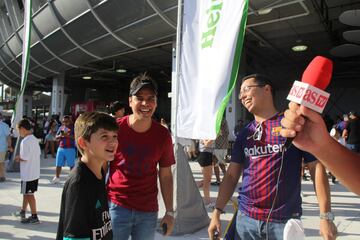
(263, 151)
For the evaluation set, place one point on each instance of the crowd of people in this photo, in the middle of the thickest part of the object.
(112, 191)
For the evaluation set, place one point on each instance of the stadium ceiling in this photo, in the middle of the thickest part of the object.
(105, 38)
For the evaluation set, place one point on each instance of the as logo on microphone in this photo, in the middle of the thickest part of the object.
(314, 97)
(309, 96)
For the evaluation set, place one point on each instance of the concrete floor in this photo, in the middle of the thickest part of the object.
(345, 205)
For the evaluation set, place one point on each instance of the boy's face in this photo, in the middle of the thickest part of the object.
(22, 131)
(102, 145)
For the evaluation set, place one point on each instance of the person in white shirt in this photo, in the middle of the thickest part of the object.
(29, 159)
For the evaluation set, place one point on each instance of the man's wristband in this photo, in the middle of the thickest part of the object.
(329, 216)
(220, 210)
(170, 213)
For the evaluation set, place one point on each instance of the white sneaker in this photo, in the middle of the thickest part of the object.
(55, 180)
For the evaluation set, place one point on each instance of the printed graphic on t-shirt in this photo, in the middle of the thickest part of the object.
(138, 166)
(99, 233)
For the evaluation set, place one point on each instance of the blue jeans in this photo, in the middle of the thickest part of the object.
(251, 229)
(126, 222)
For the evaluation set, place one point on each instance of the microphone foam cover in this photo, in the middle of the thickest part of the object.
(318, 73)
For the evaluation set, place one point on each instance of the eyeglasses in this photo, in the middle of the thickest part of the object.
(246, 89)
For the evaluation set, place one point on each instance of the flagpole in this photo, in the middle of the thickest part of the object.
(175, 80)
(18, 109)
(190, 214)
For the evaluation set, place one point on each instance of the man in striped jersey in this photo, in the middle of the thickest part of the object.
(270, 191)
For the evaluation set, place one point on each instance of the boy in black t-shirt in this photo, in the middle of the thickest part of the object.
(84, 212)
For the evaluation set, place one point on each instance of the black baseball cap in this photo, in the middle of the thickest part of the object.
(141, 82)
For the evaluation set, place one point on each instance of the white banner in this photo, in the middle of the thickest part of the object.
(18, 111)
(212, 39)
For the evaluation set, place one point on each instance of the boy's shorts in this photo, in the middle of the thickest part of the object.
(67, 155)
(30, 187)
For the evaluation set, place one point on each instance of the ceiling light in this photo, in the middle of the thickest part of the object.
(121, 70)
(264, 11)
(86, 77)
(299, 48)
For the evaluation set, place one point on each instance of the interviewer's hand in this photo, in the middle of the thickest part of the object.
(306, 126)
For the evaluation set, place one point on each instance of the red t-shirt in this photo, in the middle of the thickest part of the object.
(133, 173)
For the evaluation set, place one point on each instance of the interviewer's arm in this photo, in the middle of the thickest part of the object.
(312, 136)
(342, 163)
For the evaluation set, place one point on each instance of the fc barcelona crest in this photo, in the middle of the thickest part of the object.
(275, 131)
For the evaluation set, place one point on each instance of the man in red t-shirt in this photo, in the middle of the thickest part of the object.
(132, 187)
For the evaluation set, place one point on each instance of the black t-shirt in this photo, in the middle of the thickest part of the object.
(354, 131)
(84, 211)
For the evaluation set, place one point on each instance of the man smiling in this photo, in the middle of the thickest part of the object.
(270, 192)
(143, 146)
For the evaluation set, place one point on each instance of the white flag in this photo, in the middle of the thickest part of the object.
(212, 39)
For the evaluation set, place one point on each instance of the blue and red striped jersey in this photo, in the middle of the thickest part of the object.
(68, 140)
(258, 148)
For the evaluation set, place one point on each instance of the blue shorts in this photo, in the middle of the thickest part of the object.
(67, 155)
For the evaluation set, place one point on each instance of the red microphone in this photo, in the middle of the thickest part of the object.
(309, 92)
